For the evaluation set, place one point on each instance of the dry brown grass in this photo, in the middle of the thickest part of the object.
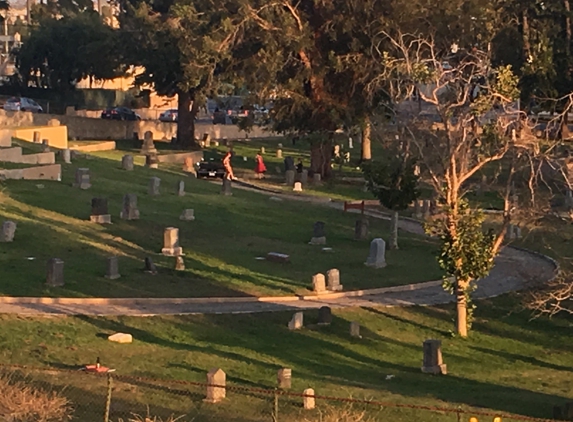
(22, 402)
(347, 413)
(148, 418)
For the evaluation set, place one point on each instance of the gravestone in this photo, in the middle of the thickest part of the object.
(66, 156)
(188, 166)
(148, 147)
(350, 143)
(318, 283)
(171, 242)
(279, 153)
(433, 363)
(45, 146)
(297, 187)
(318, 234)
(226, 188)
(324, 315)
(152, 161)
(8, 231)
(154, 184)
(289, 177)
(280, 145)
(333, 280)
(316, 178)
(187, 215)
(82, 178)
(112, 269)
(361, 228)
(262, 151)
(55, 273)
(304, 177)
(377, 256)
(181, 188)
(216, 383)
(127, 162)
(37, 136)
(100, 213)
(308, 401)
(513, 232)
(278, 257)
(426, 205)
(284, 378)
(121, 338)
(296, 322)
(129, 210)
(354, 329)
(150, 267)
(179, 263)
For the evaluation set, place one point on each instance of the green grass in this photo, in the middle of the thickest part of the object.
(508, 364)
(220, 246)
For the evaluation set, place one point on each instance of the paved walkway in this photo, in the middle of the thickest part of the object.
(514, 269)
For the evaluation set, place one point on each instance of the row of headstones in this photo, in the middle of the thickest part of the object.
(297, 183)
(55, 269)
(217, 386)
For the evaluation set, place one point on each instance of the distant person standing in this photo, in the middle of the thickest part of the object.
(227, 165)
(260, 167)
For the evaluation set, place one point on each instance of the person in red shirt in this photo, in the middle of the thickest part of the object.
(260, 167)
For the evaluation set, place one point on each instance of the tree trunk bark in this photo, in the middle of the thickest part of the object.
(394, 231)
(567, 6)
(525, 35)
(462, 309)
(366, 143)
(186, 112)
(320, 158)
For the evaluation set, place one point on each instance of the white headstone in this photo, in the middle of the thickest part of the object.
(333, 280)
(318, 283)
(297, 187)
(308, 399)
(377, 256)
(296, 322)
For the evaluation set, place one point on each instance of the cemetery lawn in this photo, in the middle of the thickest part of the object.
(220, 246)
(508, 364)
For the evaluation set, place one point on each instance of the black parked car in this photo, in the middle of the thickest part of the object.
(210, 169)
(120, 113)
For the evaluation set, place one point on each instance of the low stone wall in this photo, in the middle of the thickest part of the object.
(94, 129)
(57, 136)
(95, 147)
(14, 155)
(50, 172)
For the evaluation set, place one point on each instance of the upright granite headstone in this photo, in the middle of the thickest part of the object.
(82, 178)
(354, 329)
(308, 401)
(296, 322)
(154, 184)
(289, 163)
(316, 178)
(297, 187)
(152, 160)
(361, 228)
(418, 208)
(333, 280)
(180, 188)
(55, 273)
(279, 153)
(8, 231)
(149, 267)
(226, 187)
(377, 256)
(262, 151)
(179, 263)
(304, 177)
(324, 315)
(289, 177)
(284, 378)
(100, 213)
(318, 234)
(148, 147)
(112, 268)
(318, 283)
(129, 210)
(187, 215)
(171, 242)
(127, 162)
(216, 385)
(66, 155)
(433, 363)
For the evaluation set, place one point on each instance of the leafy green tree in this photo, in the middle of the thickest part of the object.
(393, 181)
(59, 53)
(55, 9)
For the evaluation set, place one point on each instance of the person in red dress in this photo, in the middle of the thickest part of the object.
(227, 164)
(260, 167)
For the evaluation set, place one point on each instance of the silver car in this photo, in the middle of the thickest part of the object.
(23, 104)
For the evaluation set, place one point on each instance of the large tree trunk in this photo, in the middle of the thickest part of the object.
(394, 231)
(186, 113)
(320, 158)
(366, 143)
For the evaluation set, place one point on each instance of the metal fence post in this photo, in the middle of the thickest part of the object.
(108, 399)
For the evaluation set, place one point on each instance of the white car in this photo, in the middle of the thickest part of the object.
(23, 104)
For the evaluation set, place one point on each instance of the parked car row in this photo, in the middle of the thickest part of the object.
(120, 113)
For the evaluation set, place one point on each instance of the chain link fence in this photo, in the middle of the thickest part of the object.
(105, 397)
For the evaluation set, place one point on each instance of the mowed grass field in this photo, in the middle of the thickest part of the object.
(220, 246)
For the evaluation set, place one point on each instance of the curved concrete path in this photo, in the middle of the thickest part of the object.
(514, 269)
